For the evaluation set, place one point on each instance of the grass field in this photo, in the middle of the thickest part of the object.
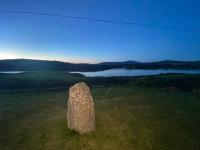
(137, 114)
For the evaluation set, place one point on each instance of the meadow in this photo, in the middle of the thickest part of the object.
(141, 113)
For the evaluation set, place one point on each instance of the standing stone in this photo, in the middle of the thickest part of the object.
(80, 112)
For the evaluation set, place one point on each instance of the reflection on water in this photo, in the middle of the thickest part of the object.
(135, 72)
(11, 72)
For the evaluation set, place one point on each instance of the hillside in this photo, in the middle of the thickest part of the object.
(45, 65)
(142, 113)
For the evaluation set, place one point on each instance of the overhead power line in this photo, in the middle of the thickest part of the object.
(93, 28)
(100, 20)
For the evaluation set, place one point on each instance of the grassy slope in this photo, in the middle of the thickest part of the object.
(38, 80)
(61, 79)
(128, 116)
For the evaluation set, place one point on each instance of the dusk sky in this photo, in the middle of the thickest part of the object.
(77, 40)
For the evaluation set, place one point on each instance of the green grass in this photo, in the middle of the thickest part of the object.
(39, 80)
(127, 117)
(61, 80)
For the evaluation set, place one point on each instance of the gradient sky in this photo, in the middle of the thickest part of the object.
(42, 37)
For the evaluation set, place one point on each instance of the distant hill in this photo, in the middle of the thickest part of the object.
(44, 65)
(130, 62)
(170, 64)
(33, 65)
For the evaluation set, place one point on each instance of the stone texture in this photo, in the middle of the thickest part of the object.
(80, 112)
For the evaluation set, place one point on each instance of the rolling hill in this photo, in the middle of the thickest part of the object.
(46, 65)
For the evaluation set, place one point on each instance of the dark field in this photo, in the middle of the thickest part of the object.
(156, 112)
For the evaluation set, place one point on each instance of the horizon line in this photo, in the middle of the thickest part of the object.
(84, 62)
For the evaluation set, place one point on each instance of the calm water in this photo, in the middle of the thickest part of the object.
(135, 72)
(11, 72)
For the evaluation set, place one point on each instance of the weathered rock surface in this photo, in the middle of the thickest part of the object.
(80, 112)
